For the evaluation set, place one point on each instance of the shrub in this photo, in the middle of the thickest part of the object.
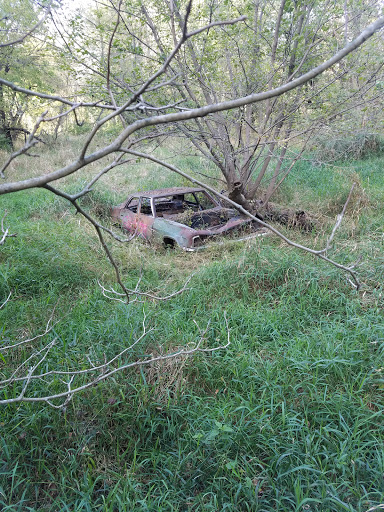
(358, 146)
(4, 143)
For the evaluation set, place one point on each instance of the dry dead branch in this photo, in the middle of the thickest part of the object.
(5, 231)
(114, 295)
(27, 373)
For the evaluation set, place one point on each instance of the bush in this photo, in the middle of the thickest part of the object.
(4, 143)
(98, 204)
(358, 146)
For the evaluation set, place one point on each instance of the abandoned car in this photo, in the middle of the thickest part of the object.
(177, 216)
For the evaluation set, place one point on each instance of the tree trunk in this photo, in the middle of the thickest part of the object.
(236, 194)
(5, 132)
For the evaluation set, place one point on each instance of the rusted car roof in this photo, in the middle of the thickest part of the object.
(166, 191)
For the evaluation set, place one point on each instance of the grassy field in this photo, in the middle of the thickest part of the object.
(288, 418)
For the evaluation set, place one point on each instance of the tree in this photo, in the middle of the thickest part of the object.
(141, 121)
(250, 146)
(20, 22)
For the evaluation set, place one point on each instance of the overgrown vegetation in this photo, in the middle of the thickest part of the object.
(288, 418)
(356, 146)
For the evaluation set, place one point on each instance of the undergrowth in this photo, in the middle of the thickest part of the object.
(288, 418)
(345, 148)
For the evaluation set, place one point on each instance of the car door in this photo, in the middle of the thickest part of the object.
(137, 217)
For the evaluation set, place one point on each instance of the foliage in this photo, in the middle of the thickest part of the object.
(357, 146)
(279, 41)
(29, 64)
(289, 416)
(4, 143)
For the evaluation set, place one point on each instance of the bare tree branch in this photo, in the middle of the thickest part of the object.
(30, 143)
(73, 200)
(48, 328)
(144, 294)
(6, 300)
(53, 97)
(339, 219)
(106, 370)
(29, 32)
(4, 231)
(84, 160)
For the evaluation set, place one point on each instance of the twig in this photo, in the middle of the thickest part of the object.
(48, 328)
(30, 143)
(6, 300)
(141, 90)
(5, 231)
(105, 368)
(35, 27)
(376, 507)
(145, 294)
(12, 378)
(77, 372)
(338, 220)
(73, 200)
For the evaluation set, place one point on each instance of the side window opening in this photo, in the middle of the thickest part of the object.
(146, 208)
(133, 204)
(191, 202)
(170, 205)
(139, 205)
(204, 200)
(176, 206)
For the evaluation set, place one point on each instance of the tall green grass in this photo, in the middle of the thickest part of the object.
(288, 418)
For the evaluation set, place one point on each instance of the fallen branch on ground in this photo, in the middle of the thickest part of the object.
(26, 373)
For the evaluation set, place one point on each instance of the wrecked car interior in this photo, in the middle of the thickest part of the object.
(177, 216)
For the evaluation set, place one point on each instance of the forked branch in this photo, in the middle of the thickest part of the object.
(96, 372)
(195, 113)
(21, 39)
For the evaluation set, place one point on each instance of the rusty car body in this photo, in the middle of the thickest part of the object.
(177, 216)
